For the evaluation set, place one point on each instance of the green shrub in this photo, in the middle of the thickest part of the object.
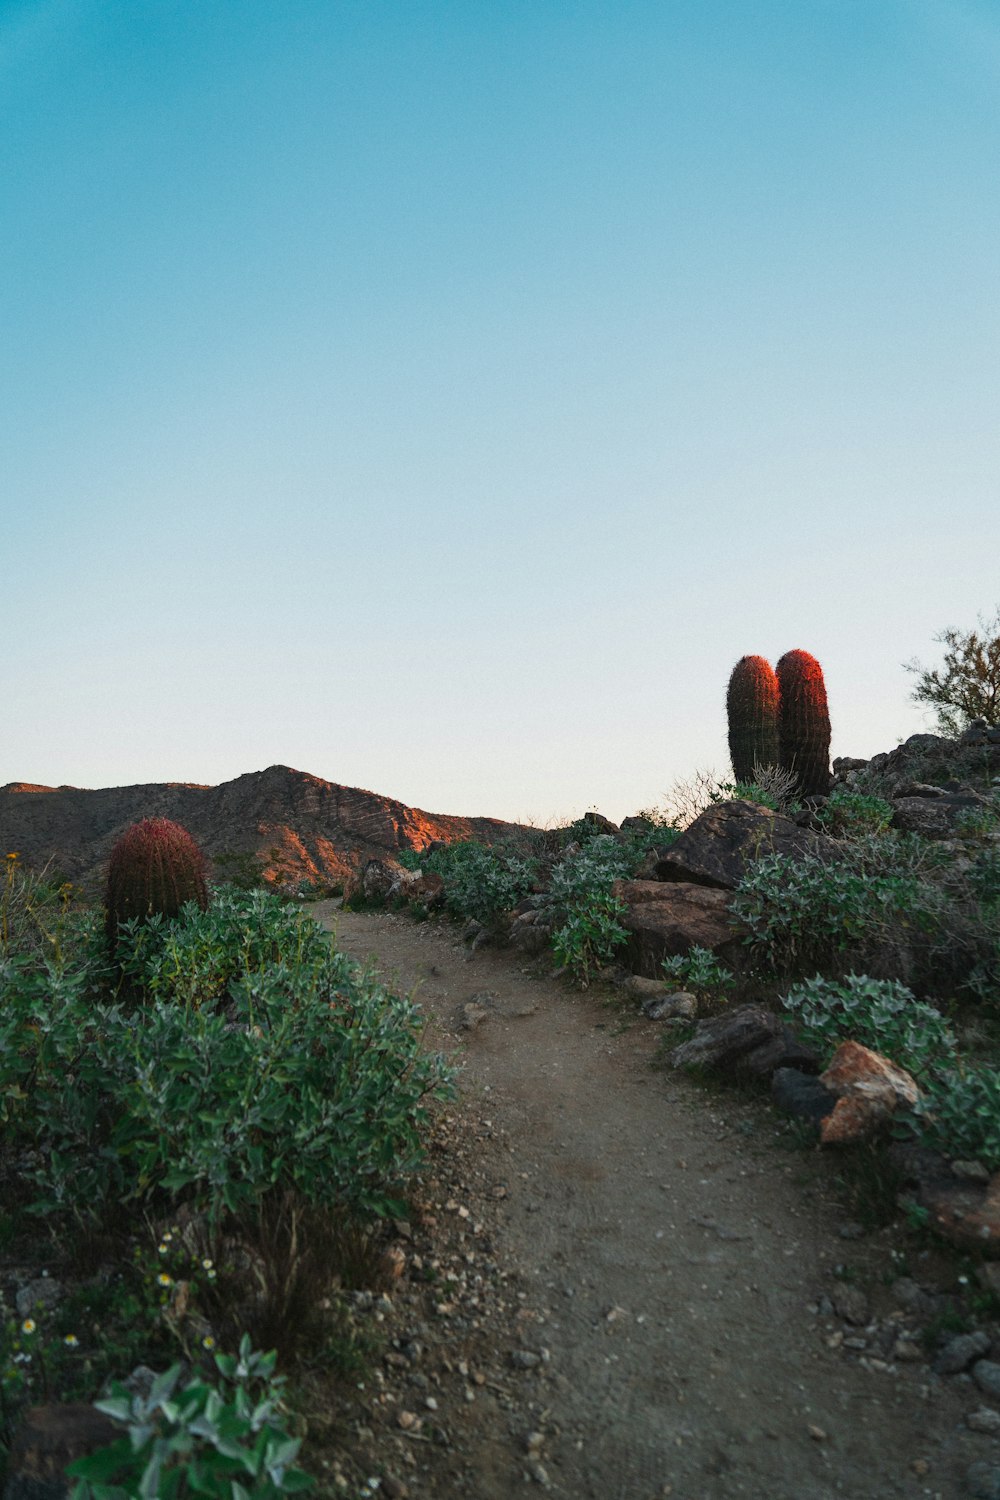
(584, 912)
(879, 1013)
(480, 882)
(960, 1115)
(283, 1069)
(221, 1437)
(848, 813)
(700, 972)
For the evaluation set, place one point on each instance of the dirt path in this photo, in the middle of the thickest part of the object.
(651, 1312)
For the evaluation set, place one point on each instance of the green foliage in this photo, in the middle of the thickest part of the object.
(223, 1437)
(752, 711)
(852, 814)
(804, 913)
(480, 882)
(967, 685)
(261, 1060)
(155, 866)
(700, 972)
(586, 915)
(879, 1013)
(960, 1115)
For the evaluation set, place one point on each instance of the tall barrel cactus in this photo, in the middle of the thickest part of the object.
(804, 723)
(752, 707)
(155, 866)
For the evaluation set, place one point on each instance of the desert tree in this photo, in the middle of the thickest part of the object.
(967, 684)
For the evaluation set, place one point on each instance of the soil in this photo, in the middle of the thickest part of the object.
(616, 1284)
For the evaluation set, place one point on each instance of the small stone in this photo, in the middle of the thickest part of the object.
(970, 1171)
(851, 1231)
(984, 1419)
(678, 1005)
(394, 1488)
(431, 1403)
(44, 1292)
(907, 1351)
(533, 1442)
(407, 1420)
(920, 1467)
(817, 1434)
(539, 1474)
(524, 1359)
(986, 1374)
(851, 1304)
(959, 1353)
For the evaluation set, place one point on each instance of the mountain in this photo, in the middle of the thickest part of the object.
(301, 827)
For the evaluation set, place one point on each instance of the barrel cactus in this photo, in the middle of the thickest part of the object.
(804, 723)
(752, 707)
(155, 866)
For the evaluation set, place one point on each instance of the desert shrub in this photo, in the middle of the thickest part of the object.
(303, 1074)
(848, 813)
(480, 882)
(807, 914)
(879, 1013)
(583, 910)
(701, 972)
(959, 1114)
(35, 908)
(967, 684)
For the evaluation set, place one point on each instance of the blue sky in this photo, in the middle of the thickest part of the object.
(440, 398)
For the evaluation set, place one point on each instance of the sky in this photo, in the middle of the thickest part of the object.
(440, 396)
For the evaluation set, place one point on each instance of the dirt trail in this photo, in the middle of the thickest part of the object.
(672, 1259)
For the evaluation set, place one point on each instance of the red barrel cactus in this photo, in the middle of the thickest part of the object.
(804, 723)
(155, 866)
(752, 709)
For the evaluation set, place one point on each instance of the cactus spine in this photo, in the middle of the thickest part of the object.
(752, 707)
(154, 867)
(804, 723)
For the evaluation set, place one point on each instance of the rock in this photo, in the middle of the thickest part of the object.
(724, 1041)
(44, 1292)
(601, 824)
(50, 1438)
(664, 919)
(931, 817)
(983, 1481)
(677, 1006)
(782, 1051)
(473, 1015)
(381, 879)
(966, 1213)
(801, 1095)
(647, 990)
(959, 1353)
(984, 1419)
(843, 765)
(717, 847)
(970, 1171)
(851, 1304)
(529, 935)
(524, 1359)
(869, 1090)
(986, 1374)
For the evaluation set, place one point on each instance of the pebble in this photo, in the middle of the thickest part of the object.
(851, 1231)
(524, 1359)
(851, 1304)
(984, 1419)
(986, 1374)
(539, 1474)
(907, 1351)
(43, 1292)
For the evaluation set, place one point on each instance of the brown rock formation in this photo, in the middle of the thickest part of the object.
(302, 827)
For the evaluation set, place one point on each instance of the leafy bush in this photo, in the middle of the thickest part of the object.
(960, 1115)
(582, 908)
(222, 1437)
(479, 882)
(700, 972)
(878, 1013)
(805, 913)
(967, 685)
(283, 1068)
(848, 813)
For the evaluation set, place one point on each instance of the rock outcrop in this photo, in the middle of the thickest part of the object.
(716, 848)
(300, 826)
(665, 918)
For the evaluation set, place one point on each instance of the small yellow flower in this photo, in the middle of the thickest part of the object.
(28, 1326)
(208, 1342)
(207, 1263)
(162, 1249)
(71, 1341)
(164, 1279)
(15, 855)
(211, 1275)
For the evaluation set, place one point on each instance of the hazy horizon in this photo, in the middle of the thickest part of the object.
(441, 399)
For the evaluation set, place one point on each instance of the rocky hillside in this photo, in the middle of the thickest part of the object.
(301, 827)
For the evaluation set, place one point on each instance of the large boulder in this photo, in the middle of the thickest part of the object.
(716, 848)
(663, 919)
(933, 813)
(749, 1039)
